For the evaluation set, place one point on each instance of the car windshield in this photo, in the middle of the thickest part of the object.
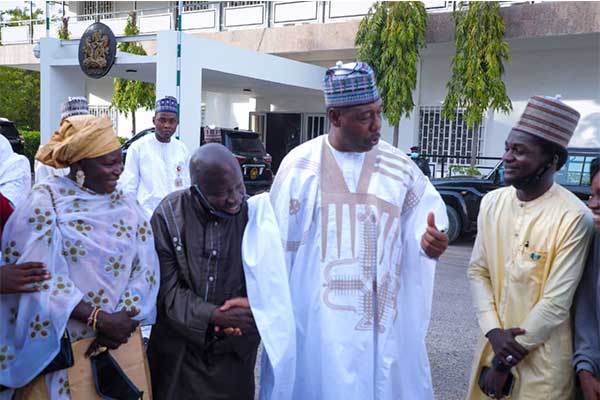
(246, 145)
(576, 171)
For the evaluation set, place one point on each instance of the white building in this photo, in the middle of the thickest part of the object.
(555, 49)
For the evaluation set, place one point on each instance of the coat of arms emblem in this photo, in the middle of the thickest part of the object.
(97, 50)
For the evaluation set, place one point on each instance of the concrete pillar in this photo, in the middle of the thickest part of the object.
(191, 85)
(57, 83)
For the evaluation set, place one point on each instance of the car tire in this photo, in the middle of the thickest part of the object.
(454, 224)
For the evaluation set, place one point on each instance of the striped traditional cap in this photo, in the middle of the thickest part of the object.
(166, 104)
(74, 106)
(550, 119)
(347, 85)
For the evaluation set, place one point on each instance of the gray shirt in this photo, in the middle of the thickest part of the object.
(587, 315)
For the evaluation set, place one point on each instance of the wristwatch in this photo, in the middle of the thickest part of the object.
(499, 365)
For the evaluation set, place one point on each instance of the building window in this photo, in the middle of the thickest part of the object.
(88, 9)
(195, 5)
(108, 112)
(441, 136)
(316, 125)
(241, 3)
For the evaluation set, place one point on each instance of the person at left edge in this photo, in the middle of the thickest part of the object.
(97, 245)
(157, 164)
(15, 182)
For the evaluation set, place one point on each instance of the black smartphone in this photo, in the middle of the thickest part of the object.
(110, 380)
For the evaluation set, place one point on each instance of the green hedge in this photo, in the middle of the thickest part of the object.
(32, 142)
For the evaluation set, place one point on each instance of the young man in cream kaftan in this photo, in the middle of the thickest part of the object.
(527, 260)
(352, 224)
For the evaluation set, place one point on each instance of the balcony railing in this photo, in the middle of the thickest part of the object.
(210, 17)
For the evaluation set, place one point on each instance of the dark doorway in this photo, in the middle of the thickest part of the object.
(282, 135)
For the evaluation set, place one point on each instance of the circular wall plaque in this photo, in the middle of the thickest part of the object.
(97, 50)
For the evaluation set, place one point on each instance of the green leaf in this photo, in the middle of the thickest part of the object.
(389, 39)
(130, 95)
(478, 64)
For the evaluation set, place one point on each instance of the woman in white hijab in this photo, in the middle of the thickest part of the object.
(15, 174)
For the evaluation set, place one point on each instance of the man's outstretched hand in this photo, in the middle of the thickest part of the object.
(434, 242)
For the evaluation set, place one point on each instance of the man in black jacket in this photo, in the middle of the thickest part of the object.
(204, 343)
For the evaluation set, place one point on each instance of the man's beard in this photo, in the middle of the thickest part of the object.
(533, 179)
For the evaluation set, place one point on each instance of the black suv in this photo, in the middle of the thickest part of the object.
(9, 131)
(250, 152)
(247, 148)
(463, 194)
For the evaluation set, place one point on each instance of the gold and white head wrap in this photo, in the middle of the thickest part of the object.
(79, 137)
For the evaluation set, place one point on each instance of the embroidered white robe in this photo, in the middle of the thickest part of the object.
(344, 249)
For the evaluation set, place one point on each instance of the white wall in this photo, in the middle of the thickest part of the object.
(569, 66)
(100, 92)
(304, 104)
(226, 110)
(571, 69)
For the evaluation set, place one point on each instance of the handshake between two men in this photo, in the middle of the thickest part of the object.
(234, 317)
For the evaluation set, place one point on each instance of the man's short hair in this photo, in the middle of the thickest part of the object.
(553, 149)
(594, 168)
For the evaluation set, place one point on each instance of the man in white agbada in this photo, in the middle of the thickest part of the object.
(358, 223)
(15, 174)
(157, 165)
(73, 106)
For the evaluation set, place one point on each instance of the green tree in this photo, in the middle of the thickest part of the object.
(20, 97)
(389, 39)
(477, 66)
(20, 14)
(130, 95)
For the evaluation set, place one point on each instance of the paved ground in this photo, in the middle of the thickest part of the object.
(453, 330)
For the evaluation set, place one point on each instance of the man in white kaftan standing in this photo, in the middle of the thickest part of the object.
(358, 222)
(157, 165)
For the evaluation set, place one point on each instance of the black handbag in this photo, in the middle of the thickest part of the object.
(64, 359)
(110, 380)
